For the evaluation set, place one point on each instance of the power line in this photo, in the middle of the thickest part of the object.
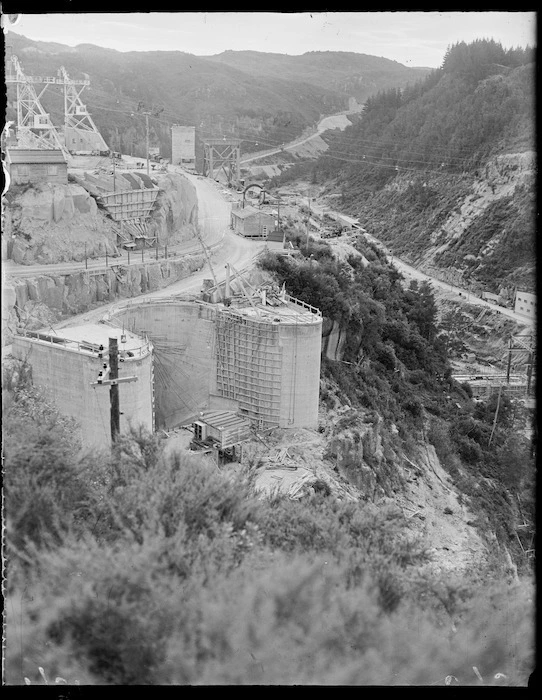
(453, 161)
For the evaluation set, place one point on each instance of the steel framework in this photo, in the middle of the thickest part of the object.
(34, 126)
(76, 116)
(222, 154)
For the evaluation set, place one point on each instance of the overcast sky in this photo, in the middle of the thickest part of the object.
(412, 38)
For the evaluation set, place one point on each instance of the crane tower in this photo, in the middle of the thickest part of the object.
(80, 132)
(34, 126)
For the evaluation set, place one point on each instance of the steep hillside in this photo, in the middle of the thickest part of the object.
(391, 411)
(443, 171)
(217, 97)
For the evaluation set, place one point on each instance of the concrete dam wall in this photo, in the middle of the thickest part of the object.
(182, 334)
(263, 362)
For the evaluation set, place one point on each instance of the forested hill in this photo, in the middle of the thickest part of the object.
(351, 74)
(462, 135)
(219, 97)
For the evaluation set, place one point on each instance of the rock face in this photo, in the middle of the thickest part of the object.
(35, 302)
(502, 177)
(175, 213)
(52, 223)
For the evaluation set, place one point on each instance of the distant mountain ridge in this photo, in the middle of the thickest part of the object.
(250, 95)
(352, 74)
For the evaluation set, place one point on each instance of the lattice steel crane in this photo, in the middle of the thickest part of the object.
(80, 132)
(34, 126)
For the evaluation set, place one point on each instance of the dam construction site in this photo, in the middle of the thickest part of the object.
(132, 292)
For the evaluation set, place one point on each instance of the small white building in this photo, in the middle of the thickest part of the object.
(525, 304)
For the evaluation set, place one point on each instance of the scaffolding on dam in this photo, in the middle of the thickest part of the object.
(268, 359)
(257, 355)
(249, 360)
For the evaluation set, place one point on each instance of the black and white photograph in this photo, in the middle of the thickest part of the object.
(269, 303)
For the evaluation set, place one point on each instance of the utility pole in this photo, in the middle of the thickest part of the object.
(308, 220)
(114, 390)
(154, 113)
(509, 361)
(147, 138)
(112, 371)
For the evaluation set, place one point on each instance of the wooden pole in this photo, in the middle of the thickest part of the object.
(308, 218)
(147, 139)
(509, 361)
(529, 373)
(496, 416)
(114, 389)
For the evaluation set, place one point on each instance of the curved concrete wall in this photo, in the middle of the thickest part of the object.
(66, 374)
(207, 357)
(300, 377)
(182, 335)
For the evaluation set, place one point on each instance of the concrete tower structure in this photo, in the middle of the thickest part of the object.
(183, 146)
(66, 363)
(259, 358)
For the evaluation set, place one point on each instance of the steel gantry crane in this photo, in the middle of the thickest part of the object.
(34, 126)
(222, 154)
(80, 132)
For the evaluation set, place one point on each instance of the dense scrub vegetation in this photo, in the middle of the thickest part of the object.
(395, 363)
(147, 569)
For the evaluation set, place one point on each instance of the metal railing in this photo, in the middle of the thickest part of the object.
(304, 304)
(84, 346)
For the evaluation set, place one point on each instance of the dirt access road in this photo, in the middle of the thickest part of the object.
(333, 121)
(446, 289)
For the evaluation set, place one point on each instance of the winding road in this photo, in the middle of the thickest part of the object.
(333, 121)
(449, 290)
(222, 244)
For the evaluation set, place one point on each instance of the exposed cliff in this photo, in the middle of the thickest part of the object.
(36, 302)
(175, 214)
(46, 223)
(50, 223)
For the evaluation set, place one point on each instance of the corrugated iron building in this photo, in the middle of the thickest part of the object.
(252, 223)
(33, 165)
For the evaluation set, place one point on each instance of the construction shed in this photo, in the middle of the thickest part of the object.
(34, 165)
(225, 428)
(252, 223)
